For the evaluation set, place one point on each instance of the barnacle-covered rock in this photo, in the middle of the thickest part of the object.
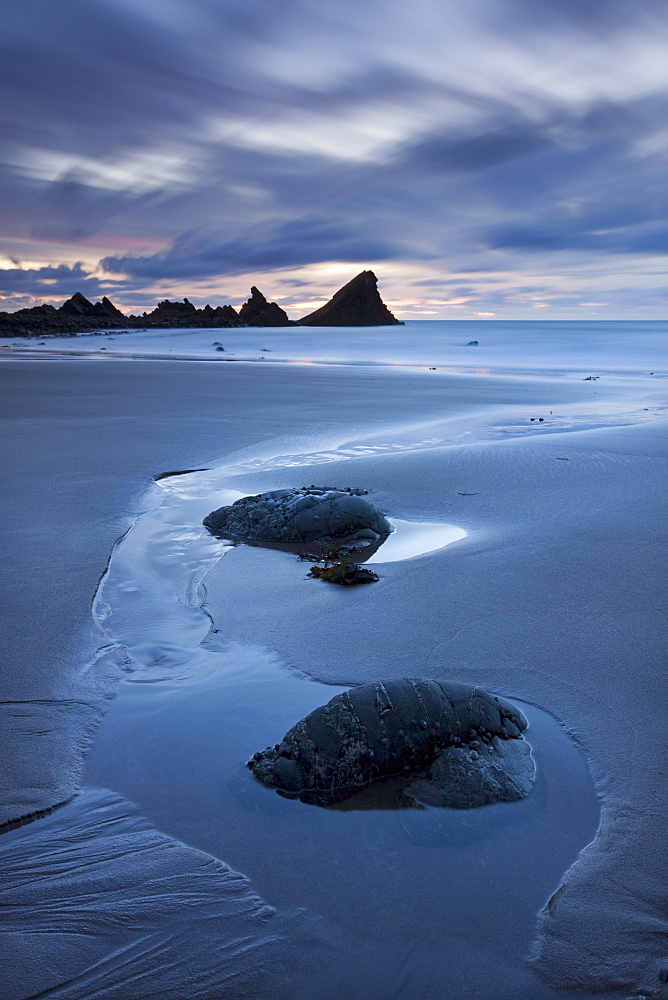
(455, 745)
(323, 517)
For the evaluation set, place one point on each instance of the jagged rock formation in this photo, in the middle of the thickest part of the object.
(258, 312)
(79, 305)
(451, 744)
(356, 304)
(184, 314)
(79, 315)
(320, 518)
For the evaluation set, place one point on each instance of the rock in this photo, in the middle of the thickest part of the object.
(78, 305)
(460, 779)
(419, 729)
(167, 311)
(220, 316)
(344, 573)
(322, 518)
(472, 343)
(356, 304)
(184, 314)
(106, 309)
(79, 315)
(258, 312)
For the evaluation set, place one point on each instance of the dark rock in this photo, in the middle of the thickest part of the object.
(44, 311)
(472, 343)
(224, 316)
(107, 309)
(79, 315)
(356, 304)
(186, 315)
(344, 573)
(418, 729)
(320, 518)
(178, 309)
(258, 312)
(78, 305)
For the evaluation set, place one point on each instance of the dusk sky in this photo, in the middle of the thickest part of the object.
(489, 158)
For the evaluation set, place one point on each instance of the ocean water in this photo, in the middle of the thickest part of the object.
(541, 347)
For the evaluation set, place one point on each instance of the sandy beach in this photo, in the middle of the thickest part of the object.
(169, 872)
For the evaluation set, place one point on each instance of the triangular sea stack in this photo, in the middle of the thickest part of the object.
(356, 304)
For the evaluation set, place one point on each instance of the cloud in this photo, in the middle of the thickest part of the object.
(477, 153)
(51, 282)
(244, 135)
(292, 244)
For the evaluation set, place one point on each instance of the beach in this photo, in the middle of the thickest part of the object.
(168, 871)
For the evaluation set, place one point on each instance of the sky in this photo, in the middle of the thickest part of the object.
(502, 159)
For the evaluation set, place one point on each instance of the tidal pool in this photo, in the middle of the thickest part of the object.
(414, 538)
(177, 747)
(391, 874)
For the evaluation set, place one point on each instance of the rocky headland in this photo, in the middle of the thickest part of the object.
(356, 304)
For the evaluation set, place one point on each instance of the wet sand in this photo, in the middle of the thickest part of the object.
(553, 597)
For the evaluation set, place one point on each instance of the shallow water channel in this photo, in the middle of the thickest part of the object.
(198, 704)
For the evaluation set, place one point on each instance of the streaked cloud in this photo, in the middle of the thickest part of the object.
(153, 144)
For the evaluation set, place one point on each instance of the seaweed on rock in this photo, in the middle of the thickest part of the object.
(344, 573)
(452, 744)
